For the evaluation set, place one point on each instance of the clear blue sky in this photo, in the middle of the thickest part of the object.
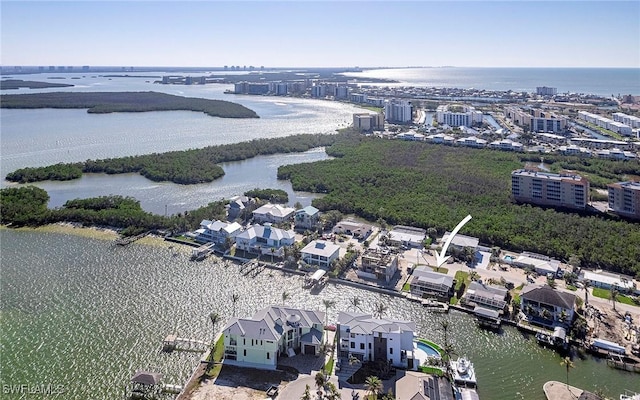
(322, 34)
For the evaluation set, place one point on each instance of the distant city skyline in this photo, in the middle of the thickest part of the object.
(278, 34)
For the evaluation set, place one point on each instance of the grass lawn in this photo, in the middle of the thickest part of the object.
(328, 367)
(441, 270)
(406, 287)
(606, 294)
(461, 277)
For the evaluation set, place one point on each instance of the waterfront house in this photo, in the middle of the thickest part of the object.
(420, 386)
(274, 213)
(425, 283)
(265, 239)
(407, 236)
(546, 306)
(371, 339)
(378, 264)
(217, 232)
(307, 218)
(487, 296)
(259, 341)
(607, 280)
(237, 204)
(320, 252)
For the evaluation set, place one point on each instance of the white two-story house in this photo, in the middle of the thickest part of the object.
(370, 339)
(217, 231)
(274, 213)
(265, 239)
(259, 341)
(307, 218)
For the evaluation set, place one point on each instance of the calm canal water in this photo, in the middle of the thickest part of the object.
(86, 314)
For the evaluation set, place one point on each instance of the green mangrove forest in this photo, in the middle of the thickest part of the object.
(27, 206)
(109, 102)
(7, 84)
(435, 186)
(182, 167)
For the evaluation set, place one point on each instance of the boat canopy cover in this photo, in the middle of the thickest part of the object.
(559, 332)
(318, 274)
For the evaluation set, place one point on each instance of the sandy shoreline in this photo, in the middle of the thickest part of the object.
(93, 232)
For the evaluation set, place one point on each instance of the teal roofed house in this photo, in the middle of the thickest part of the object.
(307, 218)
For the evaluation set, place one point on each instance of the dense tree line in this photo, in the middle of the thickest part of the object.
(58, 172)
(182, 167)
(271, 195)
(436, 186)
(27, 206)
(19, 83)
(108, 102)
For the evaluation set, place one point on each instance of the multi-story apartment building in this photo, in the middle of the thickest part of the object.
(399, 111)
(630, 120)
(467, 117)
(611, 124)
(259, 341)
(546, 91)
(558, 190)
(624, 199)
(368, 122)
(536, 120)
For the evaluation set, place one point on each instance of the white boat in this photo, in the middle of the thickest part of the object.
(463, 372)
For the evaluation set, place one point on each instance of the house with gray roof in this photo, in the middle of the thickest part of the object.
(407, 236)
(419, 386)
(488, 296)
(425, 283)
(461, 241)
(265, 239)
(546, 306)
(320, 252)
(306, 218)
(371, 339)
(259, 341)
(217, 231)
(274, 213)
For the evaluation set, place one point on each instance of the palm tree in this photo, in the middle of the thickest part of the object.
(568, 364)
(285, 296)
(373, 384)
(586, 286)
(234, 299)
(332, 392)
(355, 302)
(273, 251)
(321, 380)
(614, 296)
(381, 308)
(306, 395)
(327, 305)
(215, 318)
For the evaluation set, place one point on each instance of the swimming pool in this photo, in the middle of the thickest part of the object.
(509, 258)
(431, 352)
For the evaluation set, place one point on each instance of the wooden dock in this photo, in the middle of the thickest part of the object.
(130, 239)
(174, 343)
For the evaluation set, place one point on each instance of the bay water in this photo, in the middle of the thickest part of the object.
(84, 314)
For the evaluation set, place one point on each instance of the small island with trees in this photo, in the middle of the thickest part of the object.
(13, 84)
(108, 102)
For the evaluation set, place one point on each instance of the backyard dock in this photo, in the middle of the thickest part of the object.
(130, 239)
(175, 343)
